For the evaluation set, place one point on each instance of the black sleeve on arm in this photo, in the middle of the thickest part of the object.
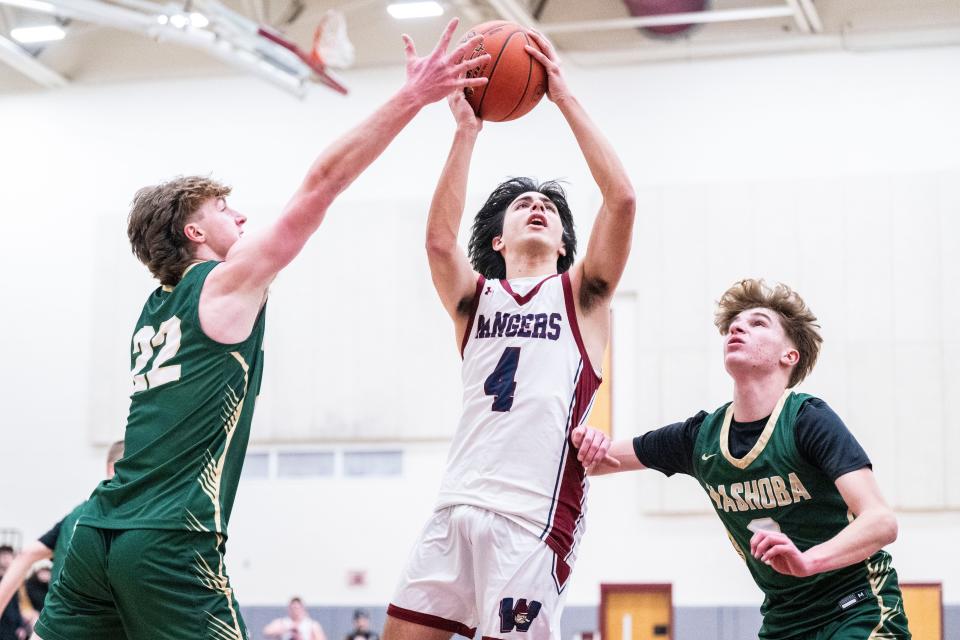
(49, 539)
(825, 442)
(669, 449)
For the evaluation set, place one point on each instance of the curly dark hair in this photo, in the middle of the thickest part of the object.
(156, 221)
(488, 224)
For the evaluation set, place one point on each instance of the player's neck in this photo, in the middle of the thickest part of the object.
(531, 265)
(755, 397)
(204, 252)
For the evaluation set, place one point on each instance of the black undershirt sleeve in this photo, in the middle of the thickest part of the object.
(669, 449)
(49, 539)
(825, 442)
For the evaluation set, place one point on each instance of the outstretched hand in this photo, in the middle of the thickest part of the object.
(437, 75)
(592, 446)
(546, 55)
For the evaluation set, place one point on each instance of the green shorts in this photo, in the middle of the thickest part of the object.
(140, 584)
(881, 615)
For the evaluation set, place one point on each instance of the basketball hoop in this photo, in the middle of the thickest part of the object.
(331, 46)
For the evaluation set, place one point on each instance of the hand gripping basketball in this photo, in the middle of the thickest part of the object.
(517, 80)
(435, 76)
(547, 56)
(463, 113)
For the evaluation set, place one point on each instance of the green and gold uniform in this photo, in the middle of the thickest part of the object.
(58, 539)
(773, 486)
(146, 559)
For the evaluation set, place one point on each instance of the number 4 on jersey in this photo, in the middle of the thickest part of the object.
(502, 382)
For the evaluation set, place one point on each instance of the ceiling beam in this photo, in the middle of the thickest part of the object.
(863, 41)
(226, 35)
(813, 17)
(14, 55)
(693, 17)
(7, 16)
(799, 16)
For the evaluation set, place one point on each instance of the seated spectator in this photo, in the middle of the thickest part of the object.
(12, 626)
(361, 627)
(53, 544)
(296, 626)
(36, 587)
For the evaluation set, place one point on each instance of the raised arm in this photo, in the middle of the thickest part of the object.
(251, 264)
(596, 277)
(19, 568)
(453, 278)
(874, 527)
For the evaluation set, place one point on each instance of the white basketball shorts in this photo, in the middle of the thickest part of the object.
(478, 574)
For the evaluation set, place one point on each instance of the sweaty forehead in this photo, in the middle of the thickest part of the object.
(532, 195)
(758, 312)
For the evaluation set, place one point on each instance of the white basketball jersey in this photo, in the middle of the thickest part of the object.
(527, 382)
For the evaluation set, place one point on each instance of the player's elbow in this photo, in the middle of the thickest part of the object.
(622, 199)
(440, 245)
(325, 180)
(883, 525)
(888, 527)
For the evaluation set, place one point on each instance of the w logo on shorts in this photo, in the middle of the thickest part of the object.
(520, 616)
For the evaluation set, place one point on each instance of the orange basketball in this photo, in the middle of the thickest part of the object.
(516, 81)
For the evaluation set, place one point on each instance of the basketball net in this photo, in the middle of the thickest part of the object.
(331, 46)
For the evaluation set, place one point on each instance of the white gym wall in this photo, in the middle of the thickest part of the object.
(836, 173)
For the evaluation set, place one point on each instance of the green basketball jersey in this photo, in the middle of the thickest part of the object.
(67, 525)
(189, 419)
(772, 487)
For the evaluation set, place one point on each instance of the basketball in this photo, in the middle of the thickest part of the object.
(516, 83)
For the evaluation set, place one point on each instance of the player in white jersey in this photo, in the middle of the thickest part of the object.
(495, 558)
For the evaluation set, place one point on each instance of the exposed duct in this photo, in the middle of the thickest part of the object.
(207, 25)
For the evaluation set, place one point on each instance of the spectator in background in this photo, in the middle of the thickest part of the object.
(11, 622)
(298, 625)
(36, 587)
(361, 627)
(52, 544)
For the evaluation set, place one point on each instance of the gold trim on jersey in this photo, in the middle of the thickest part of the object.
(212, 472)
(744, 462)
(218, 581)
(193, 523)
(168, 288)
(877, 575)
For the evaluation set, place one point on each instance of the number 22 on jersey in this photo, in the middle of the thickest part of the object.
(145, 341)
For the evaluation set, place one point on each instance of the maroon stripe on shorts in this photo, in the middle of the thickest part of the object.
(427, 620)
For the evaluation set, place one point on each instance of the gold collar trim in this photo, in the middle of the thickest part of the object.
(744, 462)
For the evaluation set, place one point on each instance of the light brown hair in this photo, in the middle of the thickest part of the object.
(157, 217)
(797, 320)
